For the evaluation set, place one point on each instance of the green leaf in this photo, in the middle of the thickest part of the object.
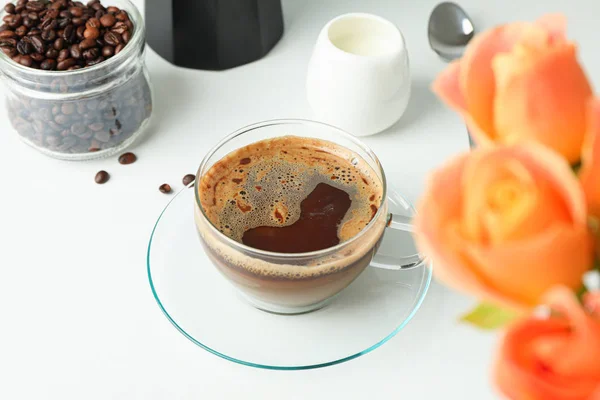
(489, 316)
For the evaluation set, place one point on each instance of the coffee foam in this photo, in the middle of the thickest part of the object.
(264, 183)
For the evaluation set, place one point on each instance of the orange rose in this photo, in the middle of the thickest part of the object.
(556, 358)
(590, 170)
(518, 82)
(505, 224)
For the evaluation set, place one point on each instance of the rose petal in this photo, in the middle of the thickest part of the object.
(542, 97)
(590, 171)
(554, 358)
(539, 202)
(555, 24)
(435, 235)
(477, 77)
(536, 264)
(582, 353)
(440, 204)
(447, 87)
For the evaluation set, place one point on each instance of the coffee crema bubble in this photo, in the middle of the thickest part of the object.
(264, 184)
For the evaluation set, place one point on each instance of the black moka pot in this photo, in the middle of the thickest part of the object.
(213, 34)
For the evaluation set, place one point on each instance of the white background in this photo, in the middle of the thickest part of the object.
(77, 318)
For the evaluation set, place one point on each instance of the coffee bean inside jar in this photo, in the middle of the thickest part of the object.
(78, 84)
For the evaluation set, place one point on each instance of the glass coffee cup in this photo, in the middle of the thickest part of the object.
(292, 283)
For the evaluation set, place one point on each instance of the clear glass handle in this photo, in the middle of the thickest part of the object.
(398, 223)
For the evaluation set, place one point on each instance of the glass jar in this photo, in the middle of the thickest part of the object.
(87, 113)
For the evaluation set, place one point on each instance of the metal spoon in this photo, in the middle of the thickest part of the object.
(450, 29)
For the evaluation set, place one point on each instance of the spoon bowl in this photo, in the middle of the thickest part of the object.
(450, 30)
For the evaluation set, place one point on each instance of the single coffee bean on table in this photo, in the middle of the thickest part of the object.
(102, 177)
(127, 158)
(189, 178)
(165, 188)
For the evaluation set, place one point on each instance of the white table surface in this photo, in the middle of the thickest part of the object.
(78, 320)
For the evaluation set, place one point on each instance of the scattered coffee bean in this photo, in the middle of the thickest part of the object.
(102, 177)
(165, 188)
(127, 158)
(189, 178)
(108, 51)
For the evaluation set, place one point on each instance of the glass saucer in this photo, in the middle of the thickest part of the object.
(208, 310)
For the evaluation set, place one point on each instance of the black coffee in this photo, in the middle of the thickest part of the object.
(290, 195)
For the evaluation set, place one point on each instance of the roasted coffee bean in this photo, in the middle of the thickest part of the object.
(101, 177)
(7, 34)
(93, 23)
(62, 119)
(9, 8)
(21, 30)
(86, 135)
(63, 55)
(96, 61)
(37, 57)
(119, 28)
(122, 16)
(119, 48)
(96, 127)
(33, 16)
(51, 14)
(108, 20)
(91, 54)
(38, 44)
(68, 33)
(78, 129)
(26, 61)
(127, 158)
(108, 51)
(3, 27)
(165, 188)
(34, 32)
(75, 51)
(35, 6)
(113, 39)
(113, 9)
(48, 24)
(63, 22)
(65, 64)
(81, 108)
(76, 11)
(80, 32)
(126, 36)
(53, 141)
(87, 44)
(48, 64)
(28, 22)
(9, 51)
(49, 35)
(102, 137)
(24, 46)
(8, 42)
(59, 44)
(67, 108)
(92, 33)
(189, 178)
(78, 21)
(58, 5)
(13, 21)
